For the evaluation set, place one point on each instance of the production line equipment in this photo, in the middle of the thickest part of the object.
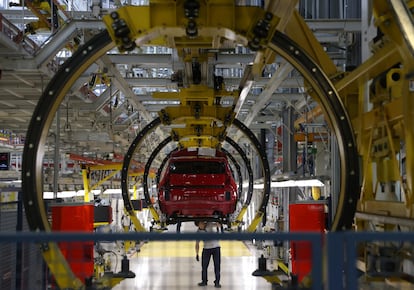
(204, 120)
(200, 121)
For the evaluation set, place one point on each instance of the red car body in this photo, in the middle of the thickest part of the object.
(194, 186)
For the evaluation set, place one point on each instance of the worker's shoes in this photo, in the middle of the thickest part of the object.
(217, 285)
(202, 284)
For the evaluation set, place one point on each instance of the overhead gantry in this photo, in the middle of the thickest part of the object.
(191, 29)
(194, 27)
(204, 124)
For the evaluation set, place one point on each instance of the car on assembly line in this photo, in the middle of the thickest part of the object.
(194, 186)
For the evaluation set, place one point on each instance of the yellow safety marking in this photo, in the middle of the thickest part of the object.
(183, 249)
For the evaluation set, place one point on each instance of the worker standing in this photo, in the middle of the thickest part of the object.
(211, 248)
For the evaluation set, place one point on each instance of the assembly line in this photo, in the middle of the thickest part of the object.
(197, 158)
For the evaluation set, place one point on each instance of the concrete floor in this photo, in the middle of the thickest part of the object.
(172, 265)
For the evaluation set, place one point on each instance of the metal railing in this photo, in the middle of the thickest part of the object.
(334, 252)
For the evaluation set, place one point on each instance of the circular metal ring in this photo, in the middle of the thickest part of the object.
(336, 115)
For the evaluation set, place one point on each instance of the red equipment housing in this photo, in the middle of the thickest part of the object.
(194, 186)
(304, 217)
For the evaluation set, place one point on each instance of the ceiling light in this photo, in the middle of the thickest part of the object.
(297, 183)
(290, 183)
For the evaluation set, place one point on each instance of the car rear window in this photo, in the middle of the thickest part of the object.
(197, 167)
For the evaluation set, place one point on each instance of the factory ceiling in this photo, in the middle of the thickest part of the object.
(114, 98)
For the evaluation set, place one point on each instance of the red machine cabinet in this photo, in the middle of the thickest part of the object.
(304, 217)
(76, 218)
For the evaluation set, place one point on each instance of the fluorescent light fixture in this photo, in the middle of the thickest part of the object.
(289, 183)
(258, 186)
(82, 192)
(66, 193)
(13, 182)
(298, 183)
(113, 191)
(48, 195)
(60, 194)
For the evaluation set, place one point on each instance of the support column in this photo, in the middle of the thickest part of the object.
(289, 152)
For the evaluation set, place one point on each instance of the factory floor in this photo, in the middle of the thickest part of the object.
(173, 265)
(160, 265)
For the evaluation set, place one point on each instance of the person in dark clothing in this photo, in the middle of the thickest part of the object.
(211, 248)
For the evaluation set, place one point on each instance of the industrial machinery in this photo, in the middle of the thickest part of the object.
(379, 132)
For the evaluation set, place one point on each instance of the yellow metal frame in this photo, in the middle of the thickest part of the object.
(163, 23)
(115, 168)
(386, 124)
(58, 265)
(204, 123)
(393, 113)
(42, 10)
(239, 218)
